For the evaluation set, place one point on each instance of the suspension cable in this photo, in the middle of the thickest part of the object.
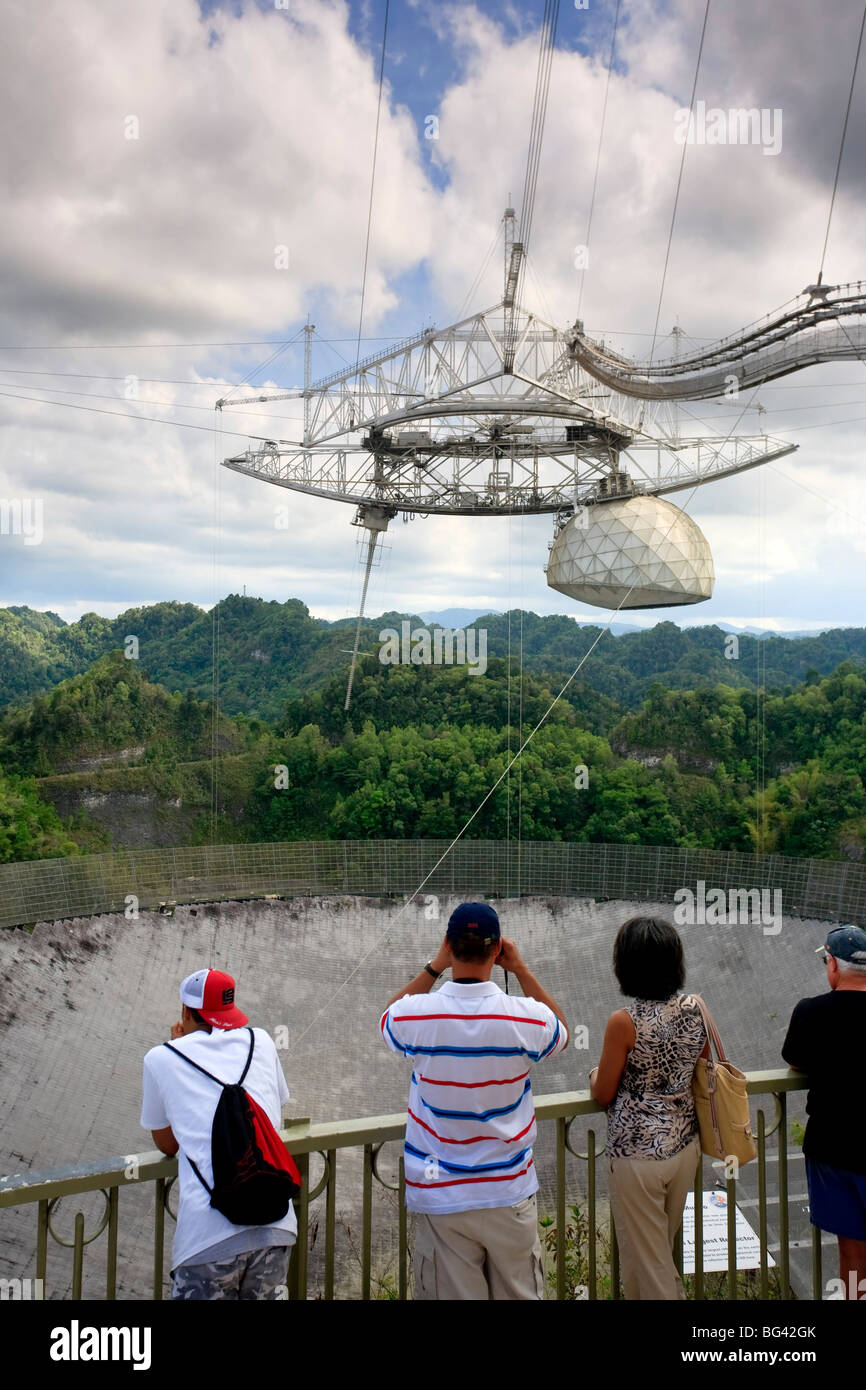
(546, 47)
(842, 144)
(372, 182)
(679, 184)
(598, 151)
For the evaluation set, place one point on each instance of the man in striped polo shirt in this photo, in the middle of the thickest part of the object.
(470, 1177)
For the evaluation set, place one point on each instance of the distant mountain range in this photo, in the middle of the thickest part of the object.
(462, 617)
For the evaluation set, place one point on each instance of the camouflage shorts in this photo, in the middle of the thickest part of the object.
(254, 1274)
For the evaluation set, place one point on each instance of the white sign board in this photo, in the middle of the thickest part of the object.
(716, 1236)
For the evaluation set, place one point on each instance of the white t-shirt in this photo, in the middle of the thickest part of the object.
(175, 1094)
(471, 1120)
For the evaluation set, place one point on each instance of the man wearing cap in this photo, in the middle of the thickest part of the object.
(212, 1258)
(470, 1176)
(825, 1039)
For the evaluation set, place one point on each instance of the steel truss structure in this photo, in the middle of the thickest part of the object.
(503, 413)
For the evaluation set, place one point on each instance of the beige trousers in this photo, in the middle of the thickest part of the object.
(647, 1197)
(490, 1252)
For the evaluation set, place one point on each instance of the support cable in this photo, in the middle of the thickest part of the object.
(539, 112)
(128, 415)
(215, 637)
(371, 545)
(371, 548)
(536, 135)
(372, 182)
(467, 301)
(679, 184)
(254, 371)
(842, 144)
(598, 151)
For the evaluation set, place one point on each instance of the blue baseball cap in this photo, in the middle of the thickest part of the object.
(846, 943)
(471, 918)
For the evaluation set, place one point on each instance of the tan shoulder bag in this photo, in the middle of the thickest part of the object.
(719, 1089)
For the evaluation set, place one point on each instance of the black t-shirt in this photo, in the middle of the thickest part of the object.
(826, 1039)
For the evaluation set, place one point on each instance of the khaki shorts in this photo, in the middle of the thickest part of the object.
(486, 1253)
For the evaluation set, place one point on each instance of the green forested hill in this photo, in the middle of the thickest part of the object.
(403, 695)
(271, 653)
(110, 757)
(110, 714)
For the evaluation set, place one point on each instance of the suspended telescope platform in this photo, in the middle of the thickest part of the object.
(503, 413)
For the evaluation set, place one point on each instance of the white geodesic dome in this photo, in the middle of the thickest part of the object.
(634, 552)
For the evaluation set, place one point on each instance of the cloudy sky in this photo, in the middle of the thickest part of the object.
(156, 156)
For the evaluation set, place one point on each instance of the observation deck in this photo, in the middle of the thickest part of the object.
(581, 1257)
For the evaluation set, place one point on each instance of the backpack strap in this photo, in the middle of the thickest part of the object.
(249, 1058)
(177, 1052)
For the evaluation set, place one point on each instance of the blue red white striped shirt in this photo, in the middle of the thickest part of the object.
(471, 1117)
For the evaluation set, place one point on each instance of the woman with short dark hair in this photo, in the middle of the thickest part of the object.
(644, 1079)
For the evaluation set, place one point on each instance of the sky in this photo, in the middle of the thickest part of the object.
(185, 185)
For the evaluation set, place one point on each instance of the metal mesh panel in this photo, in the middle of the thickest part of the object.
(52, 889)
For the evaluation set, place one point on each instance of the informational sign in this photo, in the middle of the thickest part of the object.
(716, 1236)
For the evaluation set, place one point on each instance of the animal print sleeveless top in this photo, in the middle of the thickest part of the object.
(653, 1114)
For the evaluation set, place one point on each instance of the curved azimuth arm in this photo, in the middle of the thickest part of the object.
(825, 323)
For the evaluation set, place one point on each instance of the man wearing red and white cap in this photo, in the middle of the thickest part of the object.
(212, 1258)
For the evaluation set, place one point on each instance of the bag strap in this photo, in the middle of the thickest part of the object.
(249, 1057)
(194, 1168)
(713, 1039)
(204, 1072)
(710, 1028)
(177, 1052)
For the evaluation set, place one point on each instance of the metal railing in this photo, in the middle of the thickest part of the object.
(365, 1138)
(54, 889)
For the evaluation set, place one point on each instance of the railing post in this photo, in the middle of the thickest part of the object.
(614, 1261)
(817, 1277)
(78, 1256)
(731, 1213)
(330, 1221)
(293, 1271)
(591, 1203)
(158, 1237)
(367, 1223)
(560, 1208)
(762, 1205)
(303, 1214)
(784, 1260)
(42, 1242)
(699, 1228)
(111, 1257)
(402, 1235)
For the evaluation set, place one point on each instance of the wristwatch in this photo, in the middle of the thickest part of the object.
(430, 971)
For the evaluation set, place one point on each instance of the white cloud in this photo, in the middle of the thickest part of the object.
(259, 138)
(263, 137)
